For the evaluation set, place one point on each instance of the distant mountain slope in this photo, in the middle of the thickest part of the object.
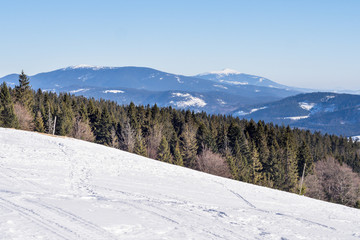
(327, 112)
(61, 188)
(236, 78)
(155, 85)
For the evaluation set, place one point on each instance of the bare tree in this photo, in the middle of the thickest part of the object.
(24, 117)
(114, 138)
(153, 141)
(128, 137)
(213, 163)
(50, 123)
(334, 182)
(82, 130)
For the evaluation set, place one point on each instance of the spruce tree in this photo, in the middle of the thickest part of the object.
(178, 160)
(23, 92)
(164, 154)
(303, 156)
(7, 116)
(256, 166)
(291, 172)
(39, 123)
(189, 145)
(65, 121)
(103, 128)
(140, 147)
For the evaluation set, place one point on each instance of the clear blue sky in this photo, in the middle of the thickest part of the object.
(300, 43)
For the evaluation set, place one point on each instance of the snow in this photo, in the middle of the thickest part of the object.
(113, 91)
(190, 101)
(49, 90)
(242, 113)
(296, 118)
(225, 71)
(220, 86)
(85, 66)
(257, 109)
(222, 102)
(327, 98)
(306, 106)
(234, 82)
(80, 90)
(356, 138)
(62, 188)
(178, 79)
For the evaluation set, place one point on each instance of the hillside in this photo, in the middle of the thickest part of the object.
(61, 188)
(319, 111)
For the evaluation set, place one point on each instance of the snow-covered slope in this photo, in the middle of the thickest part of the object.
(60, 188)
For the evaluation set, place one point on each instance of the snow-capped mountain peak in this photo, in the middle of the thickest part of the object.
(225, 71)
(85, 66)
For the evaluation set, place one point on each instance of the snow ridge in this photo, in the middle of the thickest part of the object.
(225, 71)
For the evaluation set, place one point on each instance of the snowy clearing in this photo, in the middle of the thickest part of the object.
(61, 188)
(297, 117)
(113, 91)
(306, 106)
(80, 90)
(189, 101)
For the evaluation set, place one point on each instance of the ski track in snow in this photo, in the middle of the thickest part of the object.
(60, 188)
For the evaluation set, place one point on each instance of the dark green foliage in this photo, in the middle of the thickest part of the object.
(23, 92)
(304, 156)
(164, 154)
(255, 167)
(140, 148)
(189, 146)
(103, 128)
(39, 123)
(7, 115)
(178, 160)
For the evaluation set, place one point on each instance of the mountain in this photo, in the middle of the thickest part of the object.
(62, 188)
(147, 86)
(327, 112)
(235, 78)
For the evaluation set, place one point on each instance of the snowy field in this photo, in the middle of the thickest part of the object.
(61, 188)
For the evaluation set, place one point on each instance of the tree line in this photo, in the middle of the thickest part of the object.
(254, 152)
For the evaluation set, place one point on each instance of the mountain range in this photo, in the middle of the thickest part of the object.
(319, 111)
(150, 86)
(217, 92)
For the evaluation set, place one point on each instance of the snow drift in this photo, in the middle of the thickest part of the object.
(60, 188)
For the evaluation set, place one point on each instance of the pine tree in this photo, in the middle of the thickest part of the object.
(304, 156)
(189, 146)
(256, 166)
(140, 148)
(65, 121)
(7, 116)
(103, 128)
(178, 160)
(164, 154)
(39, 123)
(23, 92)
(291, 172)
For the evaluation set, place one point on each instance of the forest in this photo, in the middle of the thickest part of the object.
(260, 153)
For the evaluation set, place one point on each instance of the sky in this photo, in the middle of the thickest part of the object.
(314, 44)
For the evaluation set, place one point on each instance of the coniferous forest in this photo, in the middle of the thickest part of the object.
(254, 152)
